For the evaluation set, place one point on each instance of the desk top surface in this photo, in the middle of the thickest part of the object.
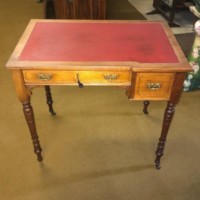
(68, 42)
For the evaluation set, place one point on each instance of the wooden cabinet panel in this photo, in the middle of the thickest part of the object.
(63, 9)
(153, 86)
(80, 9)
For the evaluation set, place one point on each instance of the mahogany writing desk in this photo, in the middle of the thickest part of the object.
(141, 56)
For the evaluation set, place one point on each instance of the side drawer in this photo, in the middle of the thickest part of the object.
(45, 77)
(153, 86)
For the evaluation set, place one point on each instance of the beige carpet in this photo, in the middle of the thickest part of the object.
(100, 146)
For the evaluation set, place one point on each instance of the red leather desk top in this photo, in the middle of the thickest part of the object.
(82, 42)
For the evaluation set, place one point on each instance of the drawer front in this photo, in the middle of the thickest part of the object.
(53, 77)
(153, 86)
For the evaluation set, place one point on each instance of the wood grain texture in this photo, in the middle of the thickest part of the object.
(142, 91)
(31, 77)
(80, 9)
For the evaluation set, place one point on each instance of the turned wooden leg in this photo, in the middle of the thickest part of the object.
(145, 109)
(169, 112)
(49, 100)
(24, 94)
(28, 113)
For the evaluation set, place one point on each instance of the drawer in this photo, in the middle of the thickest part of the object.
(53, 77)
(153, 86)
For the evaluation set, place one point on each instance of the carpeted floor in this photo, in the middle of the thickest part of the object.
(121, 9)
(185, 40)
(99, 146)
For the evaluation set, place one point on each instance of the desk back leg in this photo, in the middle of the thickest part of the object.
(145, 109)
(49, 99)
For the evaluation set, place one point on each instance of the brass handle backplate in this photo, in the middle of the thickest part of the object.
(44, 77)
(111, 77)
(154, 86)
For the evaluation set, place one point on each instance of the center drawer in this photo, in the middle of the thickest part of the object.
(53, 77)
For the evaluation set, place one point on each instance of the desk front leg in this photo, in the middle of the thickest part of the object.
(24, 95)
(168, 115)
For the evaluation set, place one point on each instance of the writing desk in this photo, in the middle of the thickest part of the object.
(143, 57)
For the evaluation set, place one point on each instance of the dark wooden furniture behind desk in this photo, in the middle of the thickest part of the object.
(80, 9)
(168, 9)
(142, 57)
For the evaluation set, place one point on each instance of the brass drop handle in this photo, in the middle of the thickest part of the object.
(44, 77)
(154, 86)
(79, 82)
(111, 77)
